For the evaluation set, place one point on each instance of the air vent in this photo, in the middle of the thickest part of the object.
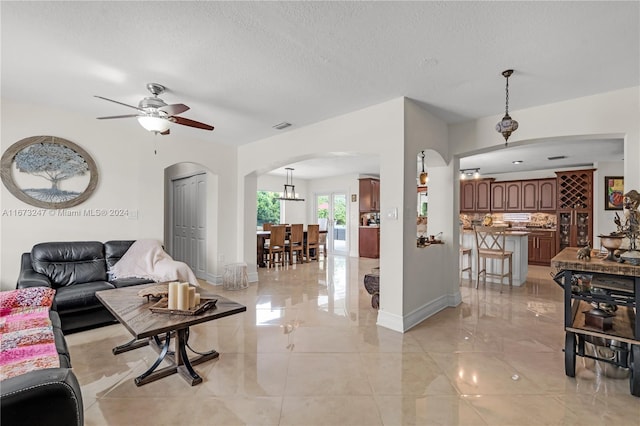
(282, 125)
(558, 157)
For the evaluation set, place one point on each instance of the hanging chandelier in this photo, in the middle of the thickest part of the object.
(289, 193)
(507, 125)
(424, 177)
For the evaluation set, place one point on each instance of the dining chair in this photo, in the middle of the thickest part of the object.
(322, 242)
(276, 244)
(490, 244)
(313, 232)
(265, 249)
(295, 244)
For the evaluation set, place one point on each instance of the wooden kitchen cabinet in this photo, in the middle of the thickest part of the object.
(542, 247)
(539, 195)
(505, 196)
(369, 195)
(369, 242)
(475, 195)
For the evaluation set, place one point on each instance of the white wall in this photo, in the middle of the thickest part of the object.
(431, 278)
(131, 177)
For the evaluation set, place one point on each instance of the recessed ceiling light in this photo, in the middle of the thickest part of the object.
(518, 162)
(282, 125)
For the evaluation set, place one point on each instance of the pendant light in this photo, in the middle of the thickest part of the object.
(507, 125)
(289, 193)
(424, 177)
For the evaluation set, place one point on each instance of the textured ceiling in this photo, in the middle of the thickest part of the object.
(246, 66)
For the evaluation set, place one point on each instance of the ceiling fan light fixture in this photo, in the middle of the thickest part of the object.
(507, 125)
(154, 124)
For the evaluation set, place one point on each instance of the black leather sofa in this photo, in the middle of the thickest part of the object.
(76, 270)
(50, 396)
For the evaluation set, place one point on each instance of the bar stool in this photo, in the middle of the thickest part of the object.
(465, 253)
(490, 244)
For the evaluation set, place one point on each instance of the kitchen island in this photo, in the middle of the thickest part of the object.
(516, 242)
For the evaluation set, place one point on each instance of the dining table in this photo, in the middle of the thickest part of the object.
(262, 236)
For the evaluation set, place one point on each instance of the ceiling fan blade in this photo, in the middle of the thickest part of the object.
(175, 109)
(118, 116)
(116, 102)
(190, 123)
(166, 132)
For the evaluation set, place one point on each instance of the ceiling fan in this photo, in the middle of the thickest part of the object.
(155, 115)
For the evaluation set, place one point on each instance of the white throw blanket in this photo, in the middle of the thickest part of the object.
(147, 259)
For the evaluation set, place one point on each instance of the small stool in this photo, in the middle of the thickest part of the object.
(235, 276)
(465, 252)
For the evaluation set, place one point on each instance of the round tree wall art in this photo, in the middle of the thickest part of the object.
(49, 172)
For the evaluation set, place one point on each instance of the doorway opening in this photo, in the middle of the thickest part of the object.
(331, 212)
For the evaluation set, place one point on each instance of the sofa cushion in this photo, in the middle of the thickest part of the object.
(82, 295)
(67, 263)
(114, 250)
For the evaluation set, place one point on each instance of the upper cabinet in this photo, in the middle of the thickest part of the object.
(369, 195)
(475, 195)
(505, 196)
(539, 195)
(535, 195)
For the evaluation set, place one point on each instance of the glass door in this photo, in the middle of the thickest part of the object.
(332, 215)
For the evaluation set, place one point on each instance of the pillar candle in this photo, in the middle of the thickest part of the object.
(192, 297)
(197, 299)
(183, 296)
(173, 295)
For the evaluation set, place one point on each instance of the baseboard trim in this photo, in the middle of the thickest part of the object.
(214, 279)
(403, 324)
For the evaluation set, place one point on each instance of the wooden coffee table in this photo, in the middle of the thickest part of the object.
(157, 330)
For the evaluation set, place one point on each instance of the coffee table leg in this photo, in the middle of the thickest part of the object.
(184, 365)
(130, 345)
(140, 380)
(186, 341)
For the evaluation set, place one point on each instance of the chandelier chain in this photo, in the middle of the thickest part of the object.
(506, 110)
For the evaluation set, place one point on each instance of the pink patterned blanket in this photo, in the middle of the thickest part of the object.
(26, 334)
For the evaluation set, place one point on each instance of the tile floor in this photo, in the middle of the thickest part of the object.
(308, 352)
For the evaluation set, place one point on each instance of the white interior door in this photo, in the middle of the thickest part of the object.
(189, 222)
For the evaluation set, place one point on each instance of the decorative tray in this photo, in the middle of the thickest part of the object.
(161, 307)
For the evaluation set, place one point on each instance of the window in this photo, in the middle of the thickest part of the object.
(268, 207)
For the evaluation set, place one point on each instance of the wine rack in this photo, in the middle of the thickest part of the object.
(575, 208)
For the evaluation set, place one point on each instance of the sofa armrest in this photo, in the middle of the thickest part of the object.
(28, 277)
(50, 396)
